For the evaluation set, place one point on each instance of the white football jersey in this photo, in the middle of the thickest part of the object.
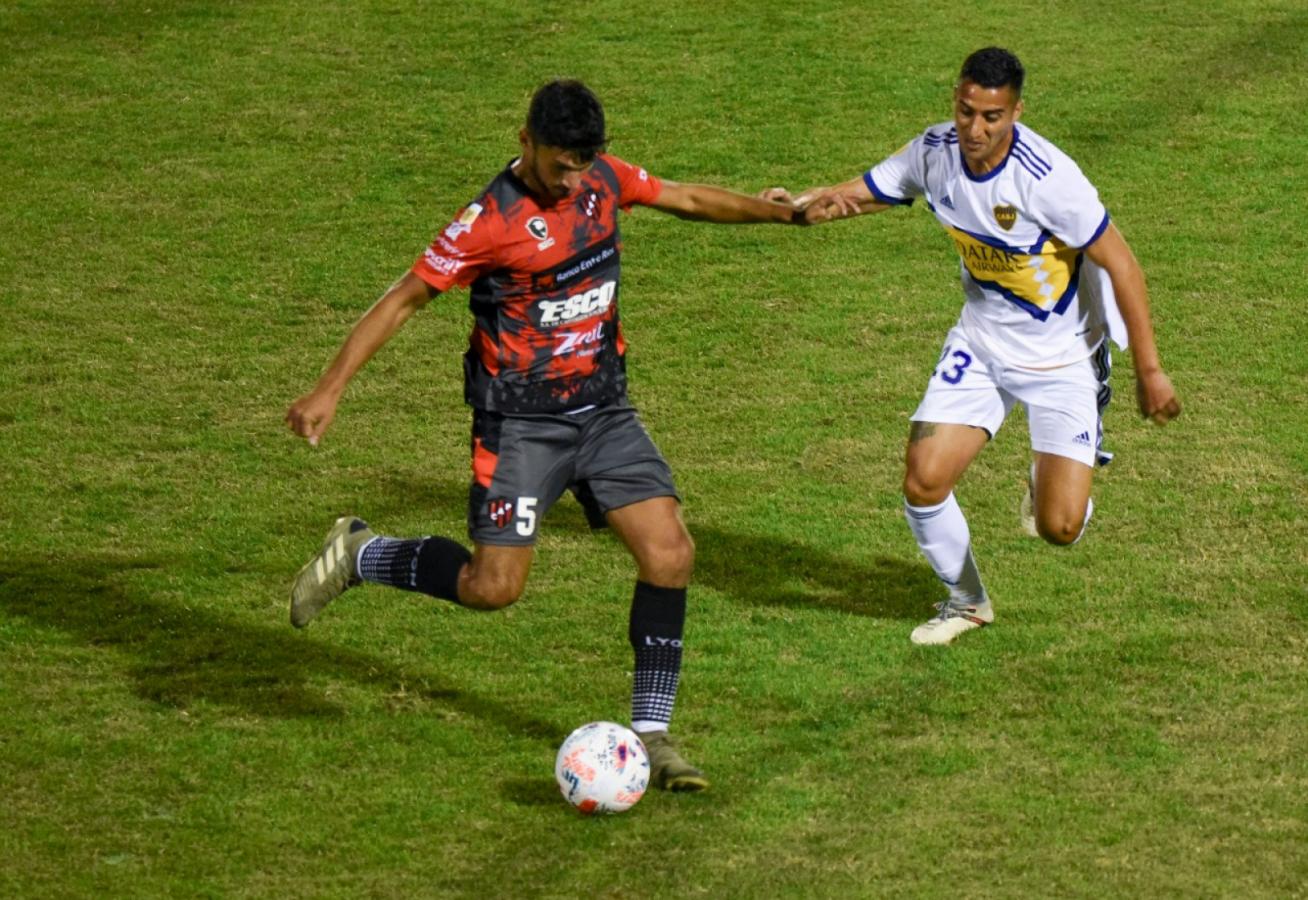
(1033, 299)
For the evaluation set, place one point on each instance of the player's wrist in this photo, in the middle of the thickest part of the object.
(330, 389)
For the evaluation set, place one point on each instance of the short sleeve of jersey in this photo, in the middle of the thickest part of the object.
(460, 253)
(897, 179)
(635, 185)
(1067, 205)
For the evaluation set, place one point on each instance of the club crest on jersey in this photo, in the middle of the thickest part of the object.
(464, 222)
(537, 228)
(500, 511)
(1006, 216)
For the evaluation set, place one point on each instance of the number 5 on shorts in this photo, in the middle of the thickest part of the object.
(526, 517)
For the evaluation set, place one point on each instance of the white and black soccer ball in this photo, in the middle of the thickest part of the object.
(602, 768)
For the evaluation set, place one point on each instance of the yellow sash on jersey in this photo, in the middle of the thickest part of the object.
(1043, 276)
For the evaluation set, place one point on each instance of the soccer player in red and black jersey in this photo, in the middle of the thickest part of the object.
(546, 379)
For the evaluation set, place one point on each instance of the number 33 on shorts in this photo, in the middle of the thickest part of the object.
(951, 366)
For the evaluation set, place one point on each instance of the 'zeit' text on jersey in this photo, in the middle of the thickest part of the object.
(580, 343)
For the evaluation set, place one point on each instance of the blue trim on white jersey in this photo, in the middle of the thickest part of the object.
(1045, 234)
(1030, 161)
(1000, 245)
(1040, 241)
(936, 140)
(993, 172)
(1103, 226)
(881, 196)
(1032, 157)
(1038, 313)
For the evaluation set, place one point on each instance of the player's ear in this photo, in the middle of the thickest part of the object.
(1017, 110)
(524, 139)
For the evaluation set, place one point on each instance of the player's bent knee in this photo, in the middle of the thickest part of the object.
(673, 568)
(1061, 532)
(491, 596)
(920, 491)
(682, 558)
(670, 564)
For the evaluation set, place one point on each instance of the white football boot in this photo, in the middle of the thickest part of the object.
(1026, 513)
(951, 621)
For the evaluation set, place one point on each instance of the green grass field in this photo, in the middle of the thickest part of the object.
(200, 198)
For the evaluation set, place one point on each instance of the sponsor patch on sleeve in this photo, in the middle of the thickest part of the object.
(442, 264)
(463, 222)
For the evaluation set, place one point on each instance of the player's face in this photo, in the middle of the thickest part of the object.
(984, 118)
(552, 173)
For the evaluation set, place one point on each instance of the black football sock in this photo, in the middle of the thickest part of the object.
(658, 615)
(430, 565)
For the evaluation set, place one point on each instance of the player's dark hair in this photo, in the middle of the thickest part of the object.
(994, 67)
(566, 114)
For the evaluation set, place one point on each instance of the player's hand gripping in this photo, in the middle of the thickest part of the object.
(817, 204)
(310, 415)
(1156, 397)
(781, 195)
(777, 195)
(826, 205)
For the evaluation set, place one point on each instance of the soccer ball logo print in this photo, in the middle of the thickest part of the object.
(602, 767)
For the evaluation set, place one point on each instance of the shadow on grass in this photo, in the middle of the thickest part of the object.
(782, 572)
(752, 569)
(531, 791)
(180, 656)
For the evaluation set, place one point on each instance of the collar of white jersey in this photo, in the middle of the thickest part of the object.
(967, 170)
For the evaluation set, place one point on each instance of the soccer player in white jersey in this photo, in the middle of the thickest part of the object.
(1047, 280)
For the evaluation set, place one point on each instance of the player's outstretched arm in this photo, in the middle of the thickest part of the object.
(823, 204)
(706, 203)
(1153, 389)
(310, 415)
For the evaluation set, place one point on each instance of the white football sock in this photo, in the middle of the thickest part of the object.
(942, 533)
(1089, 511)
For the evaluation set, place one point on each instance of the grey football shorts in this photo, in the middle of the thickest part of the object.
(522, 464)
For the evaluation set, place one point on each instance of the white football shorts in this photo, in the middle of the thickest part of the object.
(1064, 406)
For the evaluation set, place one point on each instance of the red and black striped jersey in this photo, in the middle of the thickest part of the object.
(544, 289)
